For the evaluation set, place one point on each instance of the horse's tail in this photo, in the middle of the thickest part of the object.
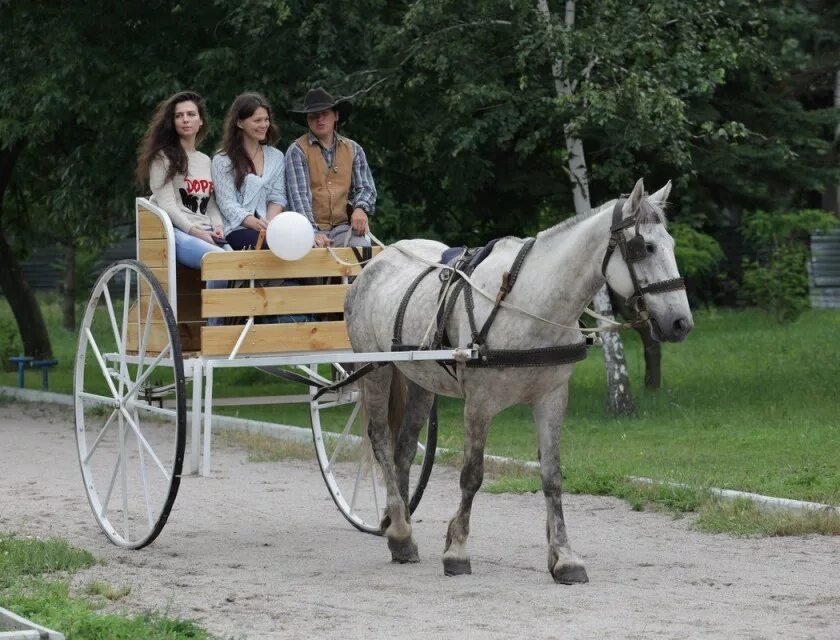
(396, 403)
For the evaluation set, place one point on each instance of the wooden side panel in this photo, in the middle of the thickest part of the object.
(244, 265)
(158, 336)
(149, 226)
(153, 253)
(276, 338)
(260, 301)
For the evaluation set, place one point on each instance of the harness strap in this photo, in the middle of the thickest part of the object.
(398, 321)
(508, 280)
(539, 357)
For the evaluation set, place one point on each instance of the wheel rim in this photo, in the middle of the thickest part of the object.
(346, 459)
(130, 404)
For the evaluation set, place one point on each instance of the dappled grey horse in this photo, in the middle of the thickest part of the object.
(529, 356)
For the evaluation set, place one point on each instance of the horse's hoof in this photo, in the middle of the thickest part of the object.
(403, 551)
(456, 567)
(569, 574)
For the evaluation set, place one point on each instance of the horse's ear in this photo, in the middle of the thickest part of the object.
(660, 198)
(636, 195)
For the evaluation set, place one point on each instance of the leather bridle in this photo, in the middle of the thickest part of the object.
(634, 250)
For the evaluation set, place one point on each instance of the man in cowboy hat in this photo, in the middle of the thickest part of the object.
(327, 175)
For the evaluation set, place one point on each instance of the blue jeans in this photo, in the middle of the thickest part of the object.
(188, 251)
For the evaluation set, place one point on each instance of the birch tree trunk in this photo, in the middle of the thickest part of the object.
(619, 400)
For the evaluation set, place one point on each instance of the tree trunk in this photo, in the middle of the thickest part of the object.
(30, 322)
(653, 348)
(619, 397)
(68, 288)
(837, 140)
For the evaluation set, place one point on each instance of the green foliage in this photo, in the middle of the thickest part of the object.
(698, 254)
(778, 280)
(10, 344)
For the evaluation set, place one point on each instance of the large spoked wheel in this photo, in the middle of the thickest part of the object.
(346, 458)
(131, 448)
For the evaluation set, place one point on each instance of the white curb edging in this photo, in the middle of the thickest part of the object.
(300, 434)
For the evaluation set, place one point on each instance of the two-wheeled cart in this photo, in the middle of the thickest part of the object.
(147, 362)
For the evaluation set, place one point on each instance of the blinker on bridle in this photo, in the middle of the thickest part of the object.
(634, 250)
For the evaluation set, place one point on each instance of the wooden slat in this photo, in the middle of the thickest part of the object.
(276, 338)
(149, 226)
(158, 338)
(260, 301)
(244, 265)
(153, 253)
(189, 308)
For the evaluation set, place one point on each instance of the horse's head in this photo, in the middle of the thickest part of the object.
(644, 270)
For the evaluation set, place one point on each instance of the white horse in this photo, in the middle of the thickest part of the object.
(566, 266)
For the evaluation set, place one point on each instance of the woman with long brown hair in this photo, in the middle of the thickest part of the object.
(179, 176)
(248, 172)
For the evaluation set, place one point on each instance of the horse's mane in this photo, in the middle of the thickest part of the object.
(649, 213)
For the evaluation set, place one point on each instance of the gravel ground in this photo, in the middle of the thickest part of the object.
(259, 551)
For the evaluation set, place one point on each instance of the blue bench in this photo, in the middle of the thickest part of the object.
(43, 365)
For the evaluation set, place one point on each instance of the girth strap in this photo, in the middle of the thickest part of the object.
(537, 357)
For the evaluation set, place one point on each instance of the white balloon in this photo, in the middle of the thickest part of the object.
(289, 235)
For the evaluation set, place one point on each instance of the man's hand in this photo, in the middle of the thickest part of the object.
(255, 223)
(321, 240)
(359, 221)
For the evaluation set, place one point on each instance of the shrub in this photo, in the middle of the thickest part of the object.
(778, 280)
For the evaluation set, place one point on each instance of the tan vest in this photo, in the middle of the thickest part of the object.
(330, 187)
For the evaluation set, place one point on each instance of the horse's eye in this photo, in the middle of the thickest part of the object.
(650, 247)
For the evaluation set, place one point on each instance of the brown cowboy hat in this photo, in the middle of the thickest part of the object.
(320, 100)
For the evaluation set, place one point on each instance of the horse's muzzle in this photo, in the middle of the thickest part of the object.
(675, 331)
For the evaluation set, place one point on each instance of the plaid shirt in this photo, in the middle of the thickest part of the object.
(362, 190)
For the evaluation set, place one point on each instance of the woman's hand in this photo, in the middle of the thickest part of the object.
(203, 234)
(218, 234)
(255, 223)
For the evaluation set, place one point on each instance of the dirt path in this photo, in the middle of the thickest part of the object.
(259, 551)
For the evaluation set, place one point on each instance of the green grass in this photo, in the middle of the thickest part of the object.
(746, 404)
(742, 518)
(35, 583)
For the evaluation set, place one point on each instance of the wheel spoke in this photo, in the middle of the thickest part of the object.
(124, 467)
(143, 478)
(99, 437)
(145, 443)
(108, 402)
(130, 393)
(101, 362)
(112, 317)
(123, 365)
(343, 437)
(357, 483)
(158, 411)
(107, 500)
(141, 348)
